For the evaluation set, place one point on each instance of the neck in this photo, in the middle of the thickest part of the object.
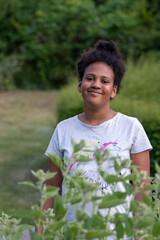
(95, 117)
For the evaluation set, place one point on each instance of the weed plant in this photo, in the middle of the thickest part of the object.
(144, 223)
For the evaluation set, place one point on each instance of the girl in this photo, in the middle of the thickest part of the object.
(100, 71)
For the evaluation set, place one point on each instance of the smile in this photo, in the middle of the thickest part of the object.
(94, 92)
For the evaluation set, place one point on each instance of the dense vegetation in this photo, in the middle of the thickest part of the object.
(139, 97)
(41, 40)
(144, 223)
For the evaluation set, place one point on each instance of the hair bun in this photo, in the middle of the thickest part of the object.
(109, 46)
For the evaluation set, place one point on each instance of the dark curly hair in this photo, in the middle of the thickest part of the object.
(106, 52)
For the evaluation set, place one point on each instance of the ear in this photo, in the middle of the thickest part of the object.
(114, 91)
(79, 86)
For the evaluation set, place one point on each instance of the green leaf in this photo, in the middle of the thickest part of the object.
(50, 191)
(74, 227)
(73, 197)
(95, 198)
(156, 229)
(56, 160)
(35, 236)
(97, 222)
(76, 199)
(129, 226)
(56, 226)
(110, 178)
(129, 188)
(130, 177)
(116, 165)
(81, 215)
(37, 212)
(146, 199)
(68, 234)
(49, 175)
(16, 235)
(134, 205)
(59, 208)
(98, 156)
(96, 233)
(112, 200)
(149, 187)
(25, 226)
(83, 159)
(77, 147)
(143, 222)
(119, 226)
(28, 184)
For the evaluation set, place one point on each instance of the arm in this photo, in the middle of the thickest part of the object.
(142, 160)
(55, 181)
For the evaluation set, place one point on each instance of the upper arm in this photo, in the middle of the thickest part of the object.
(58, 178)
(142, 160)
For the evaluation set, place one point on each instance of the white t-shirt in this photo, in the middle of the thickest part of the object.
(122, 135)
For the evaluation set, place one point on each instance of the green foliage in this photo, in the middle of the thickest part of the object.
(48, 36)
(70, 102)
(9, 66)
(144, 223)
(141, 80)
(10, 228)
(152, 127)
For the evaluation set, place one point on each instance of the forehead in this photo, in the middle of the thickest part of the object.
(99, 68)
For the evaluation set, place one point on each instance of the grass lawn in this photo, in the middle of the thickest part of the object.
(27, 122)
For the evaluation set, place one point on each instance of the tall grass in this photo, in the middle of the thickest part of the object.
(142, 80)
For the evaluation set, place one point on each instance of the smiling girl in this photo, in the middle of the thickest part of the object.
(100, 71)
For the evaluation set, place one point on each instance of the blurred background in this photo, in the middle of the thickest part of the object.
(40, 42)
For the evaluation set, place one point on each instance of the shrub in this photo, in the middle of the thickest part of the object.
(50, 35)
(70, 102)
(143, 224)
(9, 66)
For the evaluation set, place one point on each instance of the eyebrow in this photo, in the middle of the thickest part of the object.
(95, 75)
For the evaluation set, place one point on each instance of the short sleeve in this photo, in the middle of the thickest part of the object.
(53, 147)
(140, 140)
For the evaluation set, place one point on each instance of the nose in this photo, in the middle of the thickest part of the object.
(96, 83)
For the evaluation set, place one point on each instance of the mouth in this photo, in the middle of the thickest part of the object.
(94, 92)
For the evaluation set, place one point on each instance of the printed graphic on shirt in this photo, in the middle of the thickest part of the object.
(92, 175)
(90, 146)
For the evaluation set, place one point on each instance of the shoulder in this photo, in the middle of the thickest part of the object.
(69, 122)
(129, 124)
(125, 119)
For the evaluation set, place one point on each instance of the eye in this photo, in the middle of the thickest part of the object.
(89, 78)
(105, 81)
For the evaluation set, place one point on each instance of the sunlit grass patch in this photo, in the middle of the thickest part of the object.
(27, 123)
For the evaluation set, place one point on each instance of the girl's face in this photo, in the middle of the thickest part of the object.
(97, 86)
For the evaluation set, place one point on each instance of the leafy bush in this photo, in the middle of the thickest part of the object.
(50, 35)
(70, 102)
(9, 66)
(144, 223)
(141, 80)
